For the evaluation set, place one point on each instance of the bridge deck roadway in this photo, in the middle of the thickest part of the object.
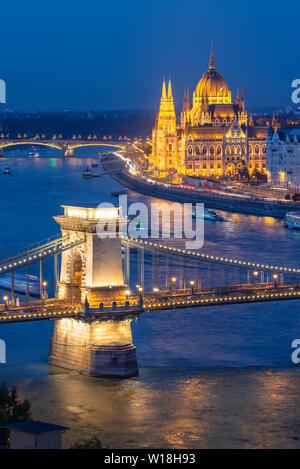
(54, 309)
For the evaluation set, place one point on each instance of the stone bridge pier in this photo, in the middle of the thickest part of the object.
(67, 151)
(92, 273)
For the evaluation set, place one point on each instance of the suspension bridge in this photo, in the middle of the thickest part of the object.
(103, 283)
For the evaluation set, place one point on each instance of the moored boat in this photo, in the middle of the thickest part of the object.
(292, 220)
(6, 170)
(89, 174)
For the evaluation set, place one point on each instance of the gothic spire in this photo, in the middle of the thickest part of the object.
(242, 101)
(164, 92)
(188, 104)
(170, 89)
(212, 60)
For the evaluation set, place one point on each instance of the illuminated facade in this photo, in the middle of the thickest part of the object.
(214, 136)
(84, 271)
(283, 158)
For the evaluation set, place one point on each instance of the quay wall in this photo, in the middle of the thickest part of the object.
(251, 206)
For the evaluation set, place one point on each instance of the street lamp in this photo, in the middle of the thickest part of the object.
(127, 293)
(255, 274)
(173, 279)
(45, 294)
(275, 277)
(5, 298)
(140, 289)
(192, 283)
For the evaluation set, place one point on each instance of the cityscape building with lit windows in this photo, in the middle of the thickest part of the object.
(283, 158)
(213, 137)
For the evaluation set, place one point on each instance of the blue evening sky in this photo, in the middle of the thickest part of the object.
(113, 54)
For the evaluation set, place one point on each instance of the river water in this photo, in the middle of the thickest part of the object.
(212, 377)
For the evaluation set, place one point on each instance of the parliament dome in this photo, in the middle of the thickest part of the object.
(212, 83)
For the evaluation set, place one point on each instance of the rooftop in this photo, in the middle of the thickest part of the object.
(35, 427)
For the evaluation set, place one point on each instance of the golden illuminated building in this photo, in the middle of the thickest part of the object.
(213, 136)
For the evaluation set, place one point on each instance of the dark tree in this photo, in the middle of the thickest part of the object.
(11, 411)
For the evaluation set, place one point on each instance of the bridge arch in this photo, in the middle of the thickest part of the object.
(5, 145)
(76, 271)
(66, 146)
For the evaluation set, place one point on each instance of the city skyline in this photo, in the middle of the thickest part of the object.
(117, 57)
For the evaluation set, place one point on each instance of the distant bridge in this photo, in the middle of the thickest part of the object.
(67, 147)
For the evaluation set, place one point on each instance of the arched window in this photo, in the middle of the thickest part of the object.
(219, 150)
(170, 146)
(243, 150)
(251, 149)
(256, 149)
(204, 150)
(190, 150)
(211, 150)
(197, 150)
(264, 149)
(238, 150)
(227, 150)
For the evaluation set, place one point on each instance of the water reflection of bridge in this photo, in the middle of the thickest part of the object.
(103, 283)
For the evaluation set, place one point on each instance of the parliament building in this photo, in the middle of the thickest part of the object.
(214, 136)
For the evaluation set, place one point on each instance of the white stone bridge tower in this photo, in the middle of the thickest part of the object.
(93, 268)
(95, 343)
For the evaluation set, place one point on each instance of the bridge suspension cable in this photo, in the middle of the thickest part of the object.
(154, 246)
(55, 246)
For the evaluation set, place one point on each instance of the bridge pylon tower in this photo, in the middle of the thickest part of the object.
(92, 269)
(92, 274)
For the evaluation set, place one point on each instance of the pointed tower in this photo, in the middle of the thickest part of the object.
(237, 97)
(274, 122)
(170, 90)
(163, 92)
(188, 104)
(242, 102)
(242, 114)
(164, 139)
(166, 115)
(251, 123)
(184, 99)
(212, 60)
